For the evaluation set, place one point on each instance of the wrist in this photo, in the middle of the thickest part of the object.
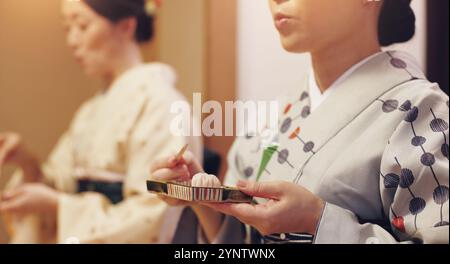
(316, 216)
(209, 220)
(55, 202)
(198, 208)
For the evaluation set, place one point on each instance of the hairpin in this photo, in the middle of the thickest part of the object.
(152, 6)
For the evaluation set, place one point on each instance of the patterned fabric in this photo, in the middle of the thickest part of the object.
(376, 150)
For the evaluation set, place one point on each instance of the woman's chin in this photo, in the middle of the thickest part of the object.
(293, 46)
(91, 73)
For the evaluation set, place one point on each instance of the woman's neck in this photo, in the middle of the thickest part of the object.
(330, 63)
(129, 58)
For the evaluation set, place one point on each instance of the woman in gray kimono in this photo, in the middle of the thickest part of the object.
(361, 151)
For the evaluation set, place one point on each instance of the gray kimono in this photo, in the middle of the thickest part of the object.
(376, 150)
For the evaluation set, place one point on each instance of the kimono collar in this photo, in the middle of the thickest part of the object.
(379, 75)
(316, 95)
(143, 74)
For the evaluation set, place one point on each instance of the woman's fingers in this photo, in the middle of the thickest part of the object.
(11, 194)
(268, 190)
(162, 163)
(165, 174)
(193, 165)
(8, 148)
(4, 152)
(174, 168)
(171, 161)
(172, 201)
(12, 206)
(247, 213)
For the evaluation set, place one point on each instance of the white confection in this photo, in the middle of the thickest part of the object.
(205, 180)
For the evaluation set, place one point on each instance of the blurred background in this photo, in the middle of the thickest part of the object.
(225, 49)
(41, 86)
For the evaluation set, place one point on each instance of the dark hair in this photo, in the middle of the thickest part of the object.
(397, 22)
(116, 10)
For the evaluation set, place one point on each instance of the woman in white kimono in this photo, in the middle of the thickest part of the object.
(361, 151)
(106, 152)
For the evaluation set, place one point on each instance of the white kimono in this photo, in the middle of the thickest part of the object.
(114, 137)
(375, 150)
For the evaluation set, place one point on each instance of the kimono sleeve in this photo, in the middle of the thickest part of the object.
(414, 178)
(58, 169)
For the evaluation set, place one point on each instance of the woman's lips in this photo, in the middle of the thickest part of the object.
(79, 60)
(281, 21)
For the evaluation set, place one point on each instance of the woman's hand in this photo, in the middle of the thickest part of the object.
(170, 169)
(290, 208)
(13, 150)
(29, 199)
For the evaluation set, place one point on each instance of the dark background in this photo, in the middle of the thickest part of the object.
(438, 45)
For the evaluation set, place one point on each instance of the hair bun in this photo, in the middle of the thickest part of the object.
(397, 22)
(116, 10)
(144, 30)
